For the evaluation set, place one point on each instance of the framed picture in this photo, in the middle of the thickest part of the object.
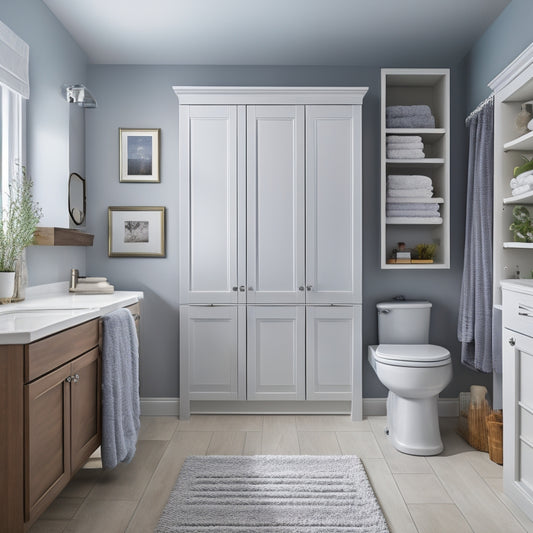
(136, 231)
(139, 155)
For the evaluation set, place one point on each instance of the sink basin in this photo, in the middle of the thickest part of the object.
(32, 320)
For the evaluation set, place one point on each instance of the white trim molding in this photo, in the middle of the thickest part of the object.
(448, 407)
(269, 95)
(513, 70)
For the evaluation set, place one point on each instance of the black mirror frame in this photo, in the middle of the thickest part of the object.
(77, 222)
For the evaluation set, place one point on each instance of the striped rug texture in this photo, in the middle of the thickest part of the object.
(272, 494)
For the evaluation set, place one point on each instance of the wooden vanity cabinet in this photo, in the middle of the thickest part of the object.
(50, 418)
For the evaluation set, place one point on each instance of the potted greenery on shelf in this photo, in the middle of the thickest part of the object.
(19, 219)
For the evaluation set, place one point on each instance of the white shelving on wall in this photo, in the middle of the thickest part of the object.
(415, 87)
(512, 87)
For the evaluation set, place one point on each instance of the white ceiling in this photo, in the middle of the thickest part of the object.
(276, 32)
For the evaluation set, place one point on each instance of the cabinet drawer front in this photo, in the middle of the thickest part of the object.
(518, 312)
(49, 353)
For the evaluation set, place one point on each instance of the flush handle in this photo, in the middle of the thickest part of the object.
(384, 311)
(512, 341)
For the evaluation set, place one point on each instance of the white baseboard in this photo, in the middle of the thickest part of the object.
(371, 407)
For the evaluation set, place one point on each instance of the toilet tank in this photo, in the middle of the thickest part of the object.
(403, 322)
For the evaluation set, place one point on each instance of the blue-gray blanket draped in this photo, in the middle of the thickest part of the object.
(475, 309)
(120, 388)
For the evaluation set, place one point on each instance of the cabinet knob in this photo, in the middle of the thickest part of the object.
(69, 379)
(512, 341)
(301, 288)
(309, 287)
(242, 288)
(250, 288)
(75, 378)
(235, 288)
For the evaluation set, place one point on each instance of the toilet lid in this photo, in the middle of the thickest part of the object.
(423, 353)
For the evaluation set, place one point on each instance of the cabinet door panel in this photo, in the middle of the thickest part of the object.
(517, 405)
(331, 346)
(333, 200)
(213, 352)
(276, 353)
(47, 451)
(275, 206)
(85, 408)
(208, 180)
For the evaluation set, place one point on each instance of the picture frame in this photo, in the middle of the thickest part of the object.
(139, 155)
(136, 231)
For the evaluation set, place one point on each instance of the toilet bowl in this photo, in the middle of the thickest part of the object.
(415, 374)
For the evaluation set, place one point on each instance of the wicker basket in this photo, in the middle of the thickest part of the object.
(495, 436)
(477, 426)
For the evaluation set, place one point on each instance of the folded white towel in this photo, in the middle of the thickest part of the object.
(407, 110)
(522, 179)
(405, 146)
(415, 121)
(522, 189)
(404, 139)
(407, 206)
(405, 220)
(410, 193)
(411, 213)
(405, 154)
(408, 181)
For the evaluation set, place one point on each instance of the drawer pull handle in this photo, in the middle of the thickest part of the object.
(512, 341)
(525, 310)
(525, 314)
(136, 316)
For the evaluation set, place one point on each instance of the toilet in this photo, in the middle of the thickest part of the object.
(415, 373)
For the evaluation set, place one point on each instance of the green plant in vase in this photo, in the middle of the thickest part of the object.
(425, 252)
(19, 220)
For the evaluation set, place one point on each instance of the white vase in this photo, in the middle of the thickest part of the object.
(7, 285)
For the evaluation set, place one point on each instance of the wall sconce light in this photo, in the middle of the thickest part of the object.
(78, 94)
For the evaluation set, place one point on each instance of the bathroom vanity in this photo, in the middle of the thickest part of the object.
(517, 392)
(50, 382)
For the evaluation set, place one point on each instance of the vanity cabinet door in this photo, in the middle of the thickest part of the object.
(276, 352)
(47, 447)
(85, 408)
(331, 345)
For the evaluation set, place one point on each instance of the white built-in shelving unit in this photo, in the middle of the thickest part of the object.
(512, 87)
(414, 87)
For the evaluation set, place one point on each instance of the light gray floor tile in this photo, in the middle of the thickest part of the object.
(318, 443)
(389, 496)
(227, 443)
(111, 516)
(477, 502)
(360, 443)
(439, 518)
(252, 444)
(421, 488)
(128, 480)
(222, 423)
(157, 427)
(330, 423)
(49, 526)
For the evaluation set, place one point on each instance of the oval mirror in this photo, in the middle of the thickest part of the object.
(76, 198)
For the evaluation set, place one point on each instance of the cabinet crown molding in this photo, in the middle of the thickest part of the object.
(513, 70)
(270, 95)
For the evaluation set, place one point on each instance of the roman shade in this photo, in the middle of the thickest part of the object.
(14, 60)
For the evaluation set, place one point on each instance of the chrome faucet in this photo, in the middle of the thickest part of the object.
(74, 275)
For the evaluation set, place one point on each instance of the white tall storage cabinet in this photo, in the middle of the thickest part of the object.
(270, 248)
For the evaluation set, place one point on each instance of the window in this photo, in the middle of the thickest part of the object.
(14, 88)
(11, 145)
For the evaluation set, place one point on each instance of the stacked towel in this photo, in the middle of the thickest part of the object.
(408, 147)
(522, 183)
(409, 116)
(410, 186)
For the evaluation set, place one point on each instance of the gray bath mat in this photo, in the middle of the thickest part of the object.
(272, 494)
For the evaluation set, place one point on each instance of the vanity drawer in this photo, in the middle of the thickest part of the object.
(44, 355)
(518, 312)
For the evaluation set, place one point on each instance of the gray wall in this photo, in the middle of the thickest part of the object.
(141, 96)
(55, 58)
(505, 39)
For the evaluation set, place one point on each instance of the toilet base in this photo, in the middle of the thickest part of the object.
(414, 425)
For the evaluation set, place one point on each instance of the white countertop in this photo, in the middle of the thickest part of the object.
(518, 285)
(49, 309)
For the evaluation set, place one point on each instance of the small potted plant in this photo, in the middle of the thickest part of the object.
(425, 253)
(19, 220)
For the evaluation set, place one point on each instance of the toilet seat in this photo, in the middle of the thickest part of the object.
(413, 355)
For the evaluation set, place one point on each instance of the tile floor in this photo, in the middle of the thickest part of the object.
(458, 491)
